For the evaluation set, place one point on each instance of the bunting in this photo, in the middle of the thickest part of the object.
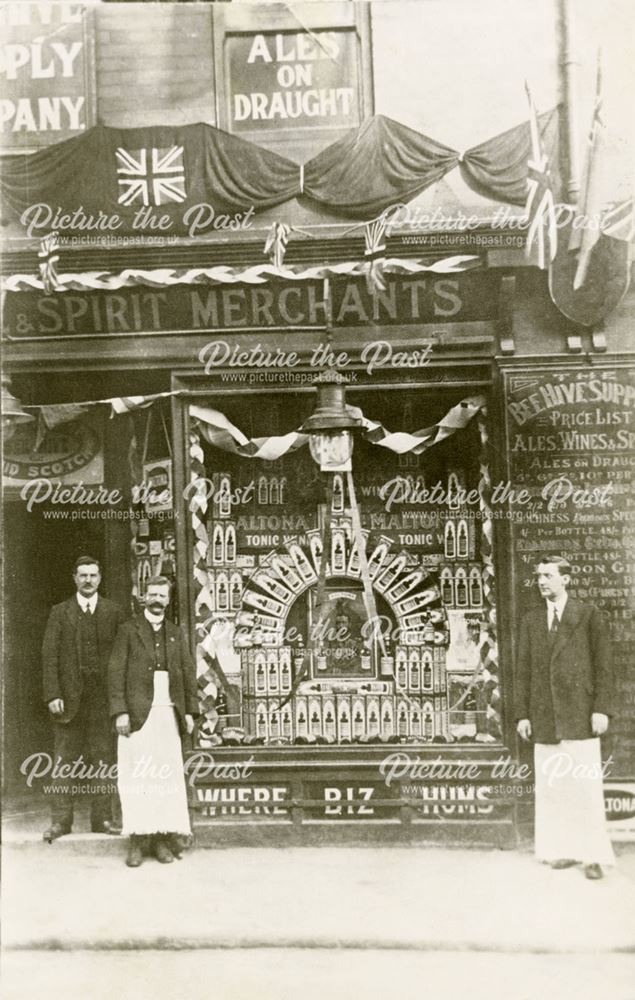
(259, 274)
(489, 726)
(218, 431)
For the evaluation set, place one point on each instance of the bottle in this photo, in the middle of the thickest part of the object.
(288, 574)
(426, 671)
(329, 720)
(298, 656)
(218, 547)
(272, 672)
(387, 718)
(236, 591)
(460, 587)
(372, 726)
(261, 720)
(450, 540)
(283, 490)
(391, 573)
(344, 722)
(415, 721)
(476, 587)
(230, 544)
(301, 562)
(404, 585)
(266, 604)
(285, 669)
(447, 586)
(263, 491)
(222, 593)
(338, 558)
(224, 496)
(274, 721)
(453, 491)
(301, 717)
(462, 540)
(358, 718)
(273, 587)
(387, 661)
(315, 546)
(274, 491)
(321, 659)
(401, 675)
(366, 658)
(428, 722)
(315, 716)
(260, 674)
(414, 670)
(377, 557)
(402, 720)
(286, 723)
(338, 494)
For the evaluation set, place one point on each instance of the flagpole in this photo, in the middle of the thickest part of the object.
(569, 79)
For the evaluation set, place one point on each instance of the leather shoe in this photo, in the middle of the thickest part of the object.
(54, 831)
(162, 852)
(563, 863)
(593, 871)
(135, 855)
(106, 827)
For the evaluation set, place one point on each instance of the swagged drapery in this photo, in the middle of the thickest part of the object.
(374, 166)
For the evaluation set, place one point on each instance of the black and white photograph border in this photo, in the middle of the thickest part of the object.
(318, 555)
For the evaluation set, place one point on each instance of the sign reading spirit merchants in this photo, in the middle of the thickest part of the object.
(45, 73)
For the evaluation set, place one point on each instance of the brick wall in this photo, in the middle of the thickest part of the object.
(154, 64)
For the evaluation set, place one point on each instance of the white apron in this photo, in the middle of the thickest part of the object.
(150, 770)
(570, 820)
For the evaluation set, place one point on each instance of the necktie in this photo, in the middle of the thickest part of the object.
(555, 621)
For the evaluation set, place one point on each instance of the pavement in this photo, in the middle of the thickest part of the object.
(269, 923)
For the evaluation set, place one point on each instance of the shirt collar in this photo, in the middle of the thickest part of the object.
(155, 620)
(90, 601)
(559, 606)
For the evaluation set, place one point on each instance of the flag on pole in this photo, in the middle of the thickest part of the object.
(583, 238)
(601, 213)
(542, 230)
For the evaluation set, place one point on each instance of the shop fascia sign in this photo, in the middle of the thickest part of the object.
(406, 301)
(298, 78)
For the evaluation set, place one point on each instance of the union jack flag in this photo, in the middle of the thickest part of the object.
(541, 213)
(618, 220)
(150, 176)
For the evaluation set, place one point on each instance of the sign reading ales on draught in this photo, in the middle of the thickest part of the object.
(406, 301)
(306, 78)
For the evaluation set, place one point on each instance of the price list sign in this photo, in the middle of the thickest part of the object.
(571, 445)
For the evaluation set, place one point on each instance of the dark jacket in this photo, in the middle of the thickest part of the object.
(559, 684)
(131, 673)
(61, 652)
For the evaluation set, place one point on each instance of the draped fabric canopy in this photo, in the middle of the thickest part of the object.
(173, 169)
(374, 166)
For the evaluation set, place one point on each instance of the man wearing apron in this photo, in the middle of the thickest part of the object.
(152, 685)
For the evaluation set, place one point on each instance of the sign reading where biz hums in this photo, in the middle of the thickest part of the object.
(44, 73)
(300, 78)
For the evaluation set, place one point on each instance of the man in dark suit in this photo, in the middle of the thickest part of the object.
(563, 697)
(75, 651)
(153, 699)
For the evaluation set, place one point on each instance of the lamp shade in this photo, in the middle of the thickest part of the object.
(330, 413)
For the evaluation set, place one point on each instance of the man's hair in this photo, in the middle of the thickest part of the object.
(158, 581)
(564, 566)
(86, 561)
